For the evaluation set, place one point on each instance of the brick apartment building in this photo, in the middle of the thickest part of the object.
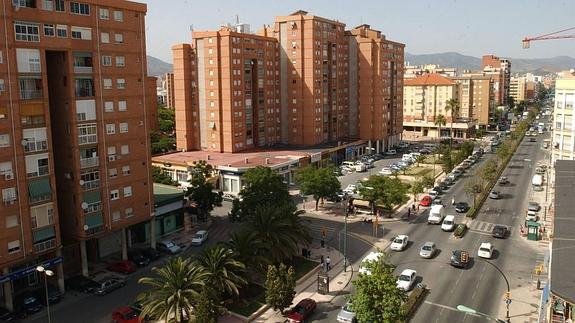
(74, 148)
(170, 92)
(289, 84)
(476, 98)
(500, 70)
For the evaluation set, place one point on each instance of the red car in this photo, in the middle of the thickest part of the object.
(302, 311)
(123, 267)
(126, 314)
(426, 201)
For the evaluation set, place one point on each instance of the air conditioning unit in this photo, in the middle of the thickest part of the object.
(111, 157)
(8, 176)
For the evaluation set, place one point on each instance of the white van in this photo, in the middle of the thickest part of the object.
(448, 223)
(436, 214)
(372, 256)
(537, 180)
(407, 158)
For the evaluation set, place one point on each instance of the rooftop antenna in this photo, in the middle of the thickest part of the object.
(191, 27)
(237, 19)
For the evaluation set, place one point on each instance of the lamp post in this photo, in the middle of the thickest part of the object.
(508, 293)
(46, 273)
(346, 208)
(469, 310)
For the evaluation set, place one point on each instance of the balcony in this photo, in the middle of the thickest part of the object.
(9, 200)
(87, 139)
(37, 120)
(84, 88)
(33, 146)
(45, 245)
(82, 69)
(89, 162)
(90, 185)
(42, 171)
(30, 88)
(28, 94)
(93, 207)
(94, 230)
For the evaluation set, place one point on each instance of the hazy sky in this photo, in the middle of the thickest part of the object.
(470, 27)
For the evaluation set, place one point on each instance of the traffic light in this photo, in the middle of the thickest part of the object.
(507, 295)
(464, 257)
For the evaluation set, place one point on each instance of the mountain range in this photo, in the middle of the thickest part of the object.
(157, 67)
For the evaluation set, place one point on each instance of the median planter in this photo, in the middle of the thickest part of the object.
(460, 230)
(413, 300)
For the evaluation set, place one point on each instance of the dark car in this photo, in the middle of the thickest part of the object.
(503, 181)
(334, 198)
(28, 303)
(444, 186)
(6, 315)
(109, 285)
(533, 206)
(123, 267)
(82, 284)
(459, 258)
(150, 253)
(138, 258)
(461, 207)
(499, 231)
(302, 311)
(437, 189)
(54, 295)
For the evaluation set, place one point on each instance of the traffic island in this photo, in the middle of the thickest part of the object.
(413, 301)
(459, 231)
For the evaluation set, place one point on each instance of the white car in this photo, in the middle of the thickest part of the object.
(432, 194)
(386, 171)
(372, 256)
(350, 189)
(448, 223)
(391, 152)
(485, 250)
(406, 279)
(399, 243)
(199, 238)
(531, 216)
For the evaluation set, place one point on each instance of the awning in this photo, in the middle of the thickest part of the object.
(92, 197)
(31, 109)
(82, 54)
(39, 188)
(361, 203)
(44, 234)
(94, 220)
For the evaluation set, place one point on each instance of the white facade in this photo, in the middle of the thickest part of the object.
(563, 127)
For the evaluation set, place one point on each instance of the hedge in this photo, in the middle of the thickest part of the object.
(413, 300)
(460, 230)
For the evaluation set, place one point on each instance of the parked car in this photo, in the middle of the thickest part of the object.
(391, 152)
(168, 246)
(334, 198)
(494, 195)
(459, 258)
(138, 258)
(428, 250)
(199, 238)
(122, 267)
(499, 231)
(126, 314)
(406, 279)
(425, 151)
(503, 181)
(531, 216)
(302, 311)
(437, 189)
(461, 207)
(426, 201)
(27, 303)
(432, 194)
(399, 243)
(437, 201)
(150, 253)
(386, 171)
(346, 314)
(6, 315)
(82, 284)
(485, 250)
(533, 206)
(448, 223)
(109, 285)
(443, 186)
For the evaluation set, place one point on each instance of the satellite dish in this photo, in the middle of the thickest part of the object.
(86, 227)
(84, 205)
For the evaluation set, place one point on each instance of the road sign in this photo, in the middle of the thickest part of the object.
(508, 301)
(28, 270)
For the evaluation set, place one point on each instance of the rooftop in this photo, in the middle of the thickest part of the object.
(429, 79)
(562, 261)
(166, 194)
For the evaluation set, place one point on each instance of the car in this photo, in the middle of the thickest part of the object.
(448, 223)
(495, 195)
(350, 189)
(228, 197)
(109, 285)
(428, 250)
(399, 243)
(426, 201)
(372, 256)
(432, 194)
(168, 246)
(533, 206)
(540, 170)
(386, 171)
(461, 207)
(125, 314)
(346, 314)
(150, 253)
(391, 152)
(302, 311)
(443, 186)
(199, 238)
(403, 164)
(28, 303)
(425, 151)
(448, 180)
(334, 198)
(123, 266)
(532, 139)
(437, 201)
(499, 231)
(531, 216)
(82, 284)
(6, 315)
(485, 250)
(406, 279)
(437, 189)
(459, 258)
(503, 181)
(138, 258)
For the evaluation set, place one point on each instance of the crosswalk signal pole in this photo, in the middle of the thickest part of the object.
(345, 242)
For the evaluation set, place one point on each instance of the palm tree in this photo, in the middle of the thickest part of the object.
(453, 107)
(174, 291)
(225, 272)
(249, 249)
(439, 122)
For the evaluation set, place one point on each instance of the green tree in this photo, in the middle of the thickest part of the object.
(420, 159)
(446, 160)
(472, 188)
(504, 151)
(319, 182)
(280, 286)
(208, 307)
(439, 121)
(384, 190)
(467, 147)
(162, 143)
(225, 272)
(249, 249)
(160, 176)
(489, 170)
(377, 298)
(167, 120)
(416, 188)
(201, 191)
(511, 102)
(459, 157)
(452, 105)
(263, 187)
(174, 291)
(428, 181)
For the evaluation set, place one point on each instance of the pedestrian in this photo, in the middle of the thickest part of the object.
(328, 262)
(453, 200)
(321, 260)
(417, 208)
(408, 213)
(413, 207)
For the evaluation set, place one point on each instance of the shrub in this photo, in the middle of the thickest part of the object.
(413, 300)
(460, 230)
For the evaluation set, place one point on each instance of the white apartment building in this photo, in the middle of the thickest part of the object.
(563, 128)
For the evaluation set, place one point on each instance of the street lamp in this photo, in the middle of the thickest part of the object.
(507, 300)
(469, 310)
(46, 272)
(346, 210)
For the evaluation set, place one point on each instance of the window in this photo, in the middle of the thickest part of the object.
(1, 57)
(119, 38)
(1, 85)
(126, 170)
(123, 127)
(60, 5)
(120, 61)
(107, 84)
(129, 212)
(120, 83)
(109, 106)
(106, 60)
(48, 5)
(127, 191)
(113, 172)
(49, 31)
(119, 15)
(4, 141)
(80, 8)
(27, 31)
(110, 128)
(9, 195)
(114, 195)
(104, 14)
(11, 221)
(116, 216)
(81, 33)
(62, 31)
(105, 38)
(125, 149)
(13, 247)
(122, 106)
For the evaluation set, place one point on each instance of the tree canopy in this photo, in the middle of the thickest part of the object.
(262, 187)
(160, 176)
(319, 182)
(388, 191)
(201, 191)
(280, 286)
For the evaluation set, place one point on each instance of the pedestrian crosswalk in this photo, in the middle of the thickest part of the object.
(322, 228)
(482, 227)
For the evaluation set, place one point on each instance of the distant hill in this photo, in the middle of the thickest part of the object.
(518, 65)
(157, 67)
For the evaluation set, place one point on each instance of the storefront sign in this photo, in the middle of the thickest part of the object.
(27, 271)
(316, 157)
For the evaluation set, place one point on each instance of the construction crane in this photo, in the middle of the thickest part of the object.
(527, 40)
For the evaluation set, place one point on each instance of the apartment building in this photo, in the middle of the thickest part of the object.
(563, 127)
(413, 71)
(425, 98)
(476, 99)
(168, 84)
(500, 70)
(74, 154)
(375, 88)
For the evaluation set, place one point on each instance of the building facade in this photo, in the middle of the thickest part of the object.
(168, 81)
(563, 127)
(500, 70)
(476, 99)
(413, 71)
(75, 152)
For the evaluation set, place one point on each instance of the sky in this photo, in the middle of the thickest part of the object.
(470, 27)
